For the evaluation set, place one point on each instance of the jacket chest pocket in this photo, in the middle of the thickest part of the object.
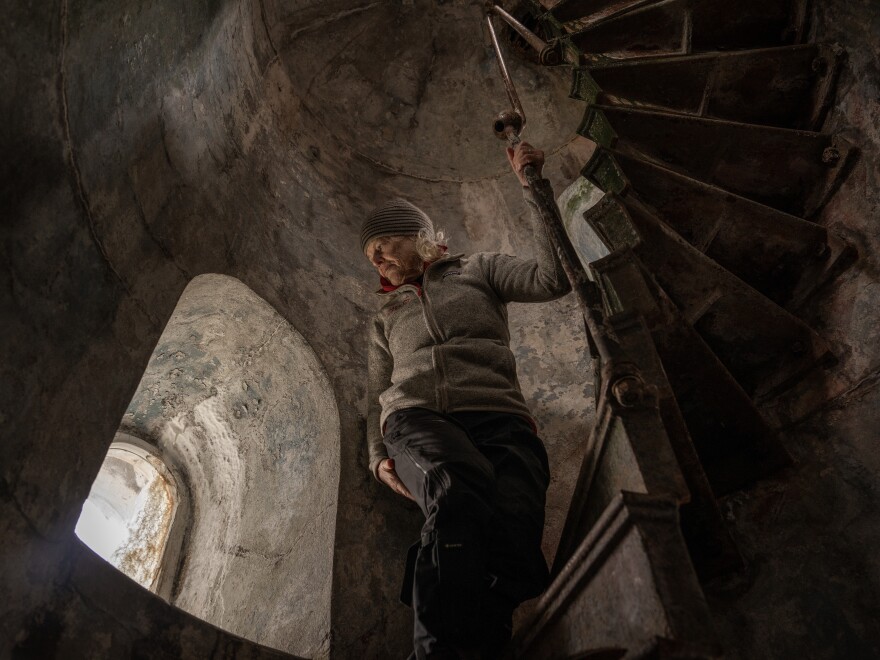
(405, 327)
(468, 309)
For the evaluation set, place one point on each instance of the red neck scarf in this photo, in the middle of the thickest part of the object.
(417, 283)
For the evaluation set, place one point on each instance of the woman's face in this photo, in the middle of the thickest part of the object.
(395, 258)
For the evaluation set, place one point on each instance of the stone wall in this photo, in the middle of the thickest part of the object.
(149, 143)
(809, 536)
(242, 412)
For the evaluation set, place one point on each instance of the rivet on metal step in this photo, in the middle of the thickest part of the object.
(820, 65)
(551, 55)
(628, 390)
(830, 155)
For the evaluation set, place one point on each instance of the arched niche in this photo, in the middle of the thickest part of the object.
(242, 414)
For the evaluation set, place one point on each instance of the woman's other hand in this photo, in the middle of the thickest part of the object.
(389, 477)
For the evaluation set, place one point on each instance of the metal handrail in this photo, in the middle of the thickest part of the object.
(549, 54)
(620, 377)
(512, 96)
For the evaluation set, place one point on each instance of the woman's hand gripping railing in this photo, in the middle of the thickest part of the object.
(620, 377)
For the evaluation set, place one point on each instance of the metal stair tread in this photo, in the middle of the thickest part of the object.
(774, 252)
(682, 26)
(795, 171)
(761, 344)
(734, 443)
(784, 86)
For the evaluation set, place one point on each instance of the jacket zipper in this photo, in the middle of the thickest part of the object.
(437, 336)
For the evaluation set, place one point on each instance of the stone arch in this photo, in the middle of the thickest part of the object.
(243, 414)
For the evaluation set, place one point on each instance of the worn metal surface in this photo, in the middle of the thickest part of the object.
(711, 548)
(583, 86)
(789, 170)
(601, 334)
(654, 29)
(577, 14)
(788, 87)
(533, 39)
(734, 443)
(596, 127)
(603, 170)
(516, 120)
(626, 288)
(627, 450)
(630, 450)
(634, 557)
(773, 252)
(549, 54)
(762, 345)
(679, 26)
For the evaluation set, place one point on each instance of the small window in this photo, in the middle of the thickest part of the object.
(128, 514)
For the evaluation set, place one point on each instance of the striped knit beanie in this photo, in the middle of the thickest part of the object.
(396, 218)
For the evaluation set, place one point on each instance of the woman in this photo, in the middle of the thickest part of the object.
(448, 426)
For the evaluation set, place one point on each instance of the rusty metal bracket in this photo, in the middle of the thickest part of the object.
(549, 54)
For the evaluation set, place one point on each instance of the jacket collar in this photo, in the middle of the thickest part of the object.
(389, 288)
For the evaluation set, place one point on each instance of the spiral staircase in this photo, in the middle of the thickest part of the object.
(703, 252)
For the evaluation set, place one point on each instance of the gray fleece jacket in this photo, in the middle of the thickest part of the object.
(446, 347)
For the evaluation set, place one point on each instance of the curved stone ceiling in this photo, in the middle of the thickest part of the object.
(413, 86)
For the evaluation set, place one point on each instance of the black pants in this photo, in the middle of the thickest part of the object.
(480, 478)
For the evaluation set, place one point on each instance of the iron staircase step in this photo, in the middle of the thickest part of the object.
(704, 114)
(762, 345)
(710, 545)
(627, 590)
(734, 443)
(577, 14)
(787, 87)
(683, 26)
(790, 170)
(780, 255)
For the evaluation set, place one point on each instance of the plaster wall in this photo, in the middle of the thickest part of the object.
(149, 143)
(241, 409)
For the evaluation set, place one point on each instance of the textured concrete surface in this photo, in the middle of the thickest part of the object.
(150, 143)
(809, 538)
(243, 413)
(846, 313)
